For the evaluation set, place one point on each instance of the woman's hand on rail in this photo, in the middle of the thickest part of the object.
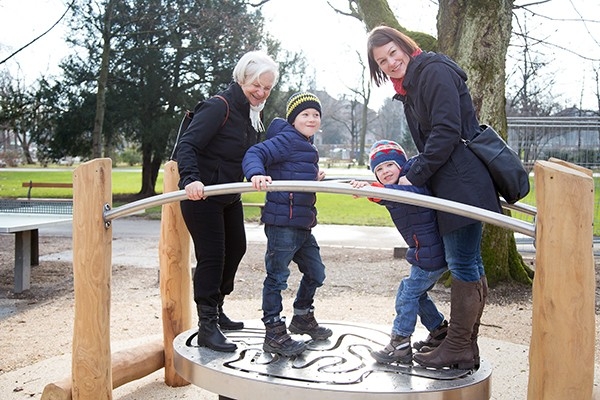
(321, 175)
(195, 191)
(404, 181)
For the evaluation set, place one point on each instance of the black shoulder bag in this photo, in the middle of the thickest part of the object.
(503, 163)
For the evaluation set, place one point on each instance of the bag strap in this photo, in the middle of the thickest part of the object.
(227, 104)
(481, 129)
(187, 119)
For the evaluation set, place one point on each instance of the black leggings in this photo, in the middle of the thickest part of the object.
(219, 238)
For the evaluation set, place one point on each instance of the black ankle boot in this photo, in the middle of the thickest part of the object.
(209, 333)
(227, 324)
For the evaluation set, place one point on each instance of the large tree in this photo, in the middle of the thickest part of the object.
(476, 35)
(144, 62)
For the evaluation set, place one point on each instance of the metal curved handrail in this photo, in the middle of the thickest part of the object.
(520, 207)
(400, 196)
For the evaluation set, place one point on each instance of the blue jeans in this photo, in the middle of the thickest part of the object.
(463, 252)
(412, 300)
(284, 245)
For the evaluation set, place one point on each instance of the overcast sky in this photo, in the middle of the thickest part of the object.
(331, 41)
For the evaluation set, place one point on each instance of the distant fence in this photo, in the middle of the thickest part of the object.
(573, 139)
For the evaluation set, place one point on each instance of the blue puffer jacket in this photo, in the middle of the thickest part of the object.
(418, 226)
(285, 155)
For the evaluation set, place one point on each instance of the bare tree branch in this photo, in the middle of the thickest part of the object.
(40, 36)
(568, 50)
(353, 10)
(260, 3)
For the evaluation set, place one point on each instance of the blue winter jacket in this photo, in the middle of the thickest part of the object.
(286, 154)
(418, 226)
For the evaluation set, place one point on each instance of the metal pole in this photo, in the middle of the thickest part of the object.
(400, 196)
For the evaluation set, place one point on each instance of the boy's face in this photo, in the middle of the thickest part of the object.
(388, 172)
(308, 122)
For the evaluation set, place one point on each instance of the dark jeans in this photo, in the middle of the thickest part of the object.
(284, 245)
(463, 252)
(219, 238)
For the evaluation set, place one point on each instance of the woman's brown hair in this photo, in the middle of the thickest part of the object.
(381, 36)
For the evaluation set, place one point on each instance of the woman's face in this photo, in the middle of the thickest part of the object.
(391, 59)
(259, 90)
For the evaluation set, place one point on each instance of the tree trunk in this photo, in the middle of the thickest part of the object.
(102, 81)
(150, 168)
(476, 35)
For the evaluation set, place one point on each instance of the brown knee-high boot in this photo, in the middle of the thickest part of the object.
(456, 350)
(474, 345)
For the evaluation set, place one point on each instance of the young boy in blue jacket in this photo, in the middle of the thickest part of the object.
(288, 153)
(418, 227)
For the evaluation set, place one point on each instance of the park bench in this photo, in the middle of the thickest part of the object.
(32, 185)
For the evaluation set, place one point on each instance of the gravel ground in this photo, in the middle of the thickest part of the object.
(36, 326)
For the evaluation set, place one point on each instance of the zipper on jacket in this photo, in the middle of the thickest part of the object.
(416, 246)
(291, 201)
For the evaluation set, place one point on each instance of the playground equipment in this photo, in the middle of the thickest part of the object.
(563, 290)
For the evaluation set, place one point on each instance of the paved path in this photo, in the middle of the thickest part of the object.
(136, 229)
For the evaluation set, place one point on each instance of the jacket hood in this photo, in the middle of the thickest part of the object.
(424, 59)
(276, 126)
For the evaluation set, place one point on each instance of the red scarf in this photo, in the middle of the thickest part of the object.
(397, 82)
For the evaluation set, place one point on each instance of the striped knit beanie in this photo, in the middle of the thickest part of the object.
(386, 150)
(299, 102)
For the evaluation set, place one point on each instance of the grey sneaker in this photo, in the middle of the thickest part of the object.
(397, 350)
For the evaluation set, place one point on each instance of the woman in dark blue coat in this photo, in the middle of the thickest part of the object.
(210, 152)
(439, 111)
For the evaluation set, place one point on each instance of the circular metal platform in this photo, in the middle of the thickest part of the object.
(338, 368)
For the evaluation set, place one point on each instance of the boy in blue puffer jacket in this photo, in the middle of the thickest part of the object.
(418, 227)
(288, 153)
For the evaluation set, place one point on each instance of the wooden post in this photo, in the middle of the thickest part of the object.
(175, 274)
(92, 261)
(561, 353)
(127, 365)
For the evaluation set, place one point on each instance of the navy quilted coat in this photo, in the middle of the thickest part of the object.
(418, 226)
(285, 155)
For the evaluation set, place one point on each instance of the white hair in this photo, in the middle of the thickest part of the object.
(252, 65)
